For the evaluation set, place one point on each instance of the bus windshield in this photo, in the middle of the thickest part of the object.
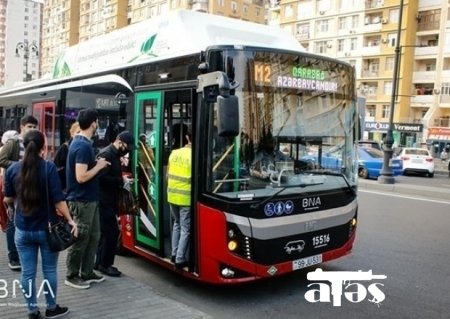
(297, 119)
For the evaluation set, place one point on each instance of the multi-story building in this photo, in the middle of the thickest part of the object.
(364, 33)
(20, 22)
(60, 29)
(2, 41)
(67, 22)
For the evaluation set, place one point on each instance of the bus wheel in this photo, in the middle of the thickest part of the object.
(363, 173)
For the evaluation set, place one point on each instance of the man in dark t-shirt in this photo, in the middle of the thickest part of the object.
(83, 196)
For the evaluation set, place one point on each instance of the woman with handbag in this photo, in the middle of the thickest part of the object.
(23, 187)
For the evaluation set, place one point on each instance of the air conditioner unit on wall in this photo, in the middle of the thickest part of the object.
(384, 20)
(321, 12)
(347, 53)
(385, 40)
(329, 45)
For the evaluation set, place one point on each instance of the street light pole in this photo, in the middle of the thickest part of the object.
(26, 49)
(386, 173)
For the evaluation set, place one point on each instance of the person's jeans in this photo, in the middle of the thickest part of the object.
(109, 235)
(81, 255)
(28, 245)
(180, 232)
(12, 249)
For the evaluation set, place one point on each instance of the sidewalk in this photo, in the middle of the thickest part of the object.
(121, 297)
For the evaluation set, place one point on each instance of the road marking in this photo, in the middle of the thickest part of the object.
(405, 196)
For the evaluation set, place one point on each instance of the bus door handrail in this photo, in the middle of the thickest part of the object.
(148, 200)
(223, 157)
(145, 172)
(147, 154)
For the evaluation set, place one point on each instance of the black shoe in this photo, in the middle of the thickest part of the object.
(57, 312)
(35, 315)
(109, 271)
(76, 282)
(181, 265)
(172, 259)
(93, 278)
(15, 265)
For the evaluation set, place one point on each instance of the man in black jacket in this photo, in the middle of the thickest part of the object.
(111, 181)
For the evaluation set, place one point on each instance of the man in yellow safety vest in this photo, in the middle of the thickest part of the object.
(179, 198)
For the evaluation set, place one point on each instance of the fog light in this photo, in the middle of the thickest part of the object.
(231, 233)
(232, 245)
(353, 222)
(227, 273)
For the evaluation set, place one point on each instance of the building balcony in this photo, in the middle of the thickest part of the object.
(370, 74)
(302, 36)
(371, 50)
(373, 4)
(432, 50)
(445, 75)
(421, 100)
(428, 26)
(444, 99)
(424, 76)
(374, 27)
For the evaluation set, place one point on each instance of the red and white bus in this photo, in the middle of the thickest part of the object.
(258, 105)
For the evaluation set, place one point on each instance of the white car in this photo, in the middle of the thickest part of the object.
(417, 160)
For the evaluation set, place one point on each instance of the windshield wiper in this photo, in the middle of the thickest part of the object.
(302, 185)
(332, 173)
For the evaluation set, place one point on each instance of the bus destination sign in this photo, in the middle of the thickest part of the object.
(310, 79)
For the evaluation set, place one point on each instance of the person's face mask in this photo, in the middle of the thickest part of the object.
(123, 149)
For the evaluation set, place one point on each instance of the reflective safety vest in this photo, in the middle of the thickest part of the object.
(179, 177)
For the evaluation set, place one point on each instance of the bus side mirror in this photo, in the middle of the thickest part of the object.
(228, 116)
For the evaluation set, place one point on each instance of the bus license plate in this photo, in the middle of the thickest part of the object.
(306, 262)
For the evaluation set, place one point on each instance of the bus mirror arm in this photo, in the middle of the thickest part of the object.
(216, 88)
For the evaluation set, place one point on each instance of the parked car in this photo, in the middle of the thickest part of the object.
(369, 143)
(370, 163)
(417, 160)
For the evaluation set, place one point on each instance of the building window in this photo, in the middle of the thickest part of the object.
(388, 87)
(342, 23)
(392, 39)
(322, 26)
(445, 88)
(393, 15)
(321, 47)
(390, 64)
(288, 12)
(233, 6)
(341, 45)
(430, 67)
(304, 10)
(353, 43)
(302, 30)
(371, 109)
(355, 21)
(386, 111)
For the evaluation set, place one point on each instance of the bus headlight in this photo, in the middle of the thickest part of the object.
(232, 245)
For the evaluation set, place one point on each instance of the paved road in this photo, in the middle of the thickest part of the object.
(115, 298)
(402, 236)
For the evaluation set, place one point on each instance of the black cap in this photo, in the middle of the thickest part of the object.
(127, 138)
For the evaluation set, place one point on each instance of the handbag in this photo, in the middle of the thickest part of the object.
(59, 235)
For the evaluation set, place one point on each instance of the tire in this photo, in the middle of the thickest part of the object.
(363, 173)
(431, 175)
